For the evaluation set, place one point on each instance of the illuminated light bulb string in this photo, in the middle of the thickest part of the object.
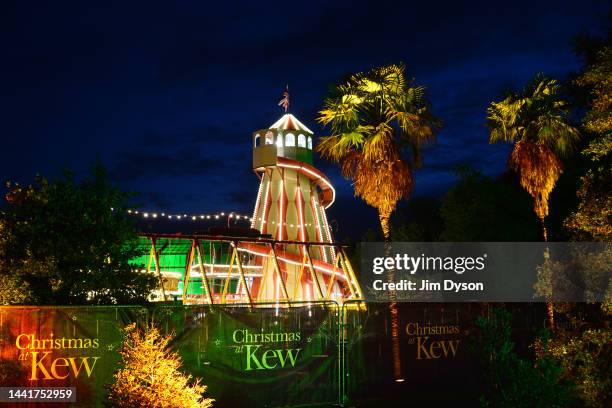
(198, 217)
(192, 217)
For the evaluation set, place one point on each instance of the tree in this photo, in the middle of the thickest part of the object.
(536, 121)
(150, 375)
(471, 211)
(417, 221)
(70, 242)
(375, 117)
(582, 345)
(591, 220)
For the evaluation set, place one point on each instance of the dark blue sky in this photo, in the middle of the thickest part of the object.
(168, 96)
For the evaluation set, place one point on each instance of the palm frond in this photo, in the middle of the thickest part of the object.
(412, 112)
(380, 146)
(335, 147)
(503, 120)
(559, 135)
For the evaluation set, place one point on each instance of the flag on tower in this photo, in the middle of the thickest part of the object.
(285, 101)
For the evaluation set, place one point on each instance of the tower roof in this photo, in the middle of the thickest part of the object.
(290, 122)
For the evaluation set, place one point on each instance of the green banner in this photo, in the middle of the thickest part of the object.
(74, 347)
(264, 356)
(270, 355)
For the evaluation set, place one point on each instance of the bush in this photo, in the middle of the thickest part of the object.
(150, 376)
(512, 381)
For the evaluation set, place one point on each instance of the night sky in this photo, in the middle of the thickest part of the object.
(167, 96)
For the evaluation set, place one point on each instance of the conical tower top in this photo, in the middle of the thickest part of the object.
(287, 137)
(290, 122)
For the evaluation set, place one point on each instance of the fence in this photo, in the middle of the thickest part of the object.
(272, 355)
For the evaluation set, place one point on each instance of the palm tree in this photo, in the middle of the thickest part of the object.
(536, 121)
(375, 117)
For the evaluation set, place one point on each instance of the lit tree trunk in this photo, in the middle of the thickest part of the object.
(384, 217)
(550, 309)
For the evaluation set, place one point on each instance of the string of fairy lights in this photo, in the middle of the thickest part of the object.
(198, 217)
(189, 217)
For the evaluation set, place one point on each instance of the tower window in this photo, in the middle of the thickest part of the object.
(269, 138)
(279, 141)
(289, 139)
(310, 142)
(301, 140)
(256, 143)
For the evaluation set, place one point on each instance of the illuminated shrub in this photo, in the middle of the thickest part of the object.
(150, 375)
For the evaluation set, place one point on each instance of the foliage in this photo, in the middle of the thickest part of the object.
(585, 358)
(584, 274)
(510, 380)
(13, 292)
(417, 220)
(598, 79)
(471, 211)
(63, 241)
(537, 121)
(581, 343)
(150, 376)
(375, 116)
(592, 219)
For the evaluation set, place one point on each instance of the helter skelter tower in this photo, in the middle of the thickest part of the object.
(304, 264)
(293, 258)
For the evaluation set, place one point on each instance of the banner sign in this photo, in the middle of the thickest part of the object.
(61, 354)
(262, 356)
(265, 356)
(271, 355)
(435, 346)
